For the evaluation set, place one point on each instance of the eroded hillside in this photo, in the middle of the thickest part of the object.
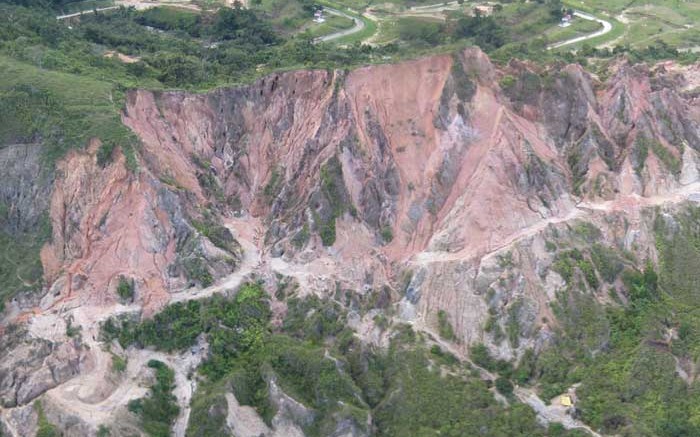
(485, 206)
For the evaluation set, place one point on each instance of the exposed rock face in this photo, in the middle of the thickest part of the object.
(109, 223)
(33, 367)
(25, 190)
(442, 161)
(447, 178)
(436, 155)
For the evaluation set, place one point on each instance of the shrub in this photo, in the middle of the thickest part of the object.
(118, 363)
(504, 386)
(46, 429)
(387, 234)
(158, 411)
(125, 289)
(444, 326)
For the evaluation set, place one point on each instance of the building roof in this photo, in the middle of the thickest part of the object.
(566, 400)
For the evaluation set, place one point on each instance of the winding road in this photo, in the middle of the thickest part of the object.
(358, 27)
(359, 24)
(607, 27)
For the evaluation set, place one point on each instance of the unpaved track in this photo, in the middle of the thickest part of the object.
(550, 413)
(251, 259)
(127, 3)
(94, 397)
(97, 392)
(88, 11)
(689, 192)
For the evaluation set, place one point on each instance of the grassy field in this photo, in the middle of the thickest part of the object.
(287, 16)
(675, 22)
(332, 24)
(579, 27)
(81, 107)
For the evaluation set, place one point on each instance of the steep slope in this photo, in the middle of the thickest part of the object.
(455, 185)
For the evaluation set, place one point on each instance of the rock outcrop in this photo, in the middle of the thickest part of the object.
(451, 180)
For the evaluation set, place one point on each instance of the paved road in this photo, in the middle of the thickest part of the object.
(607, 27)
(359, 25)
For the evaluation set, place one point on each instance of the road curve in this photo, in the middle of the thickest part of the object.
(359, 25)
(607, 27)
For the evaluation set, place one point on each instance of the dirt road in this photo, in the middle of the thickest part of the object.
(689, 192)
(98, 391)
(139, 5)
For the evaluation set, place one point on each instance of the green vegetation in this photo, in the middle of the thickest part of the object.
(370, 27)
(642, 146)
(513, 323)
(648, 22)
(170, 18)
(387, 234)
(211, 227)
(273, 186)
(313, 319)
(45, 428)
(444, 326)
(312, 356)
(21, 269)
(72, 331)
(302, 237)
(118, 363)
(61, 110)
(158, 411)
(678, 245)
(126, 289)
(606, 262)
(480, 356)
(568, 262)
(209, 410)
(332, 24)
(335, 196)
(579, 27)
(625, 357)
(196, 271)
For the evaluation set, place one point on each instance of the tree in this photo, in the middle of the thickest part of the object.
(504, 386)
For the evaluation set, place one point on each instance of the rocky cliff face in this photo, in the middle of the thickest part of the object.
(432, 165)
(451, 180)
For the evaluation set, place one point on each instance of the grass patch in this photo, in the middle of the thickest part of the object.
(20, 268)
(118, 363)
(445, 328)
(126, 289)
(63, 110)
(45, 428)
